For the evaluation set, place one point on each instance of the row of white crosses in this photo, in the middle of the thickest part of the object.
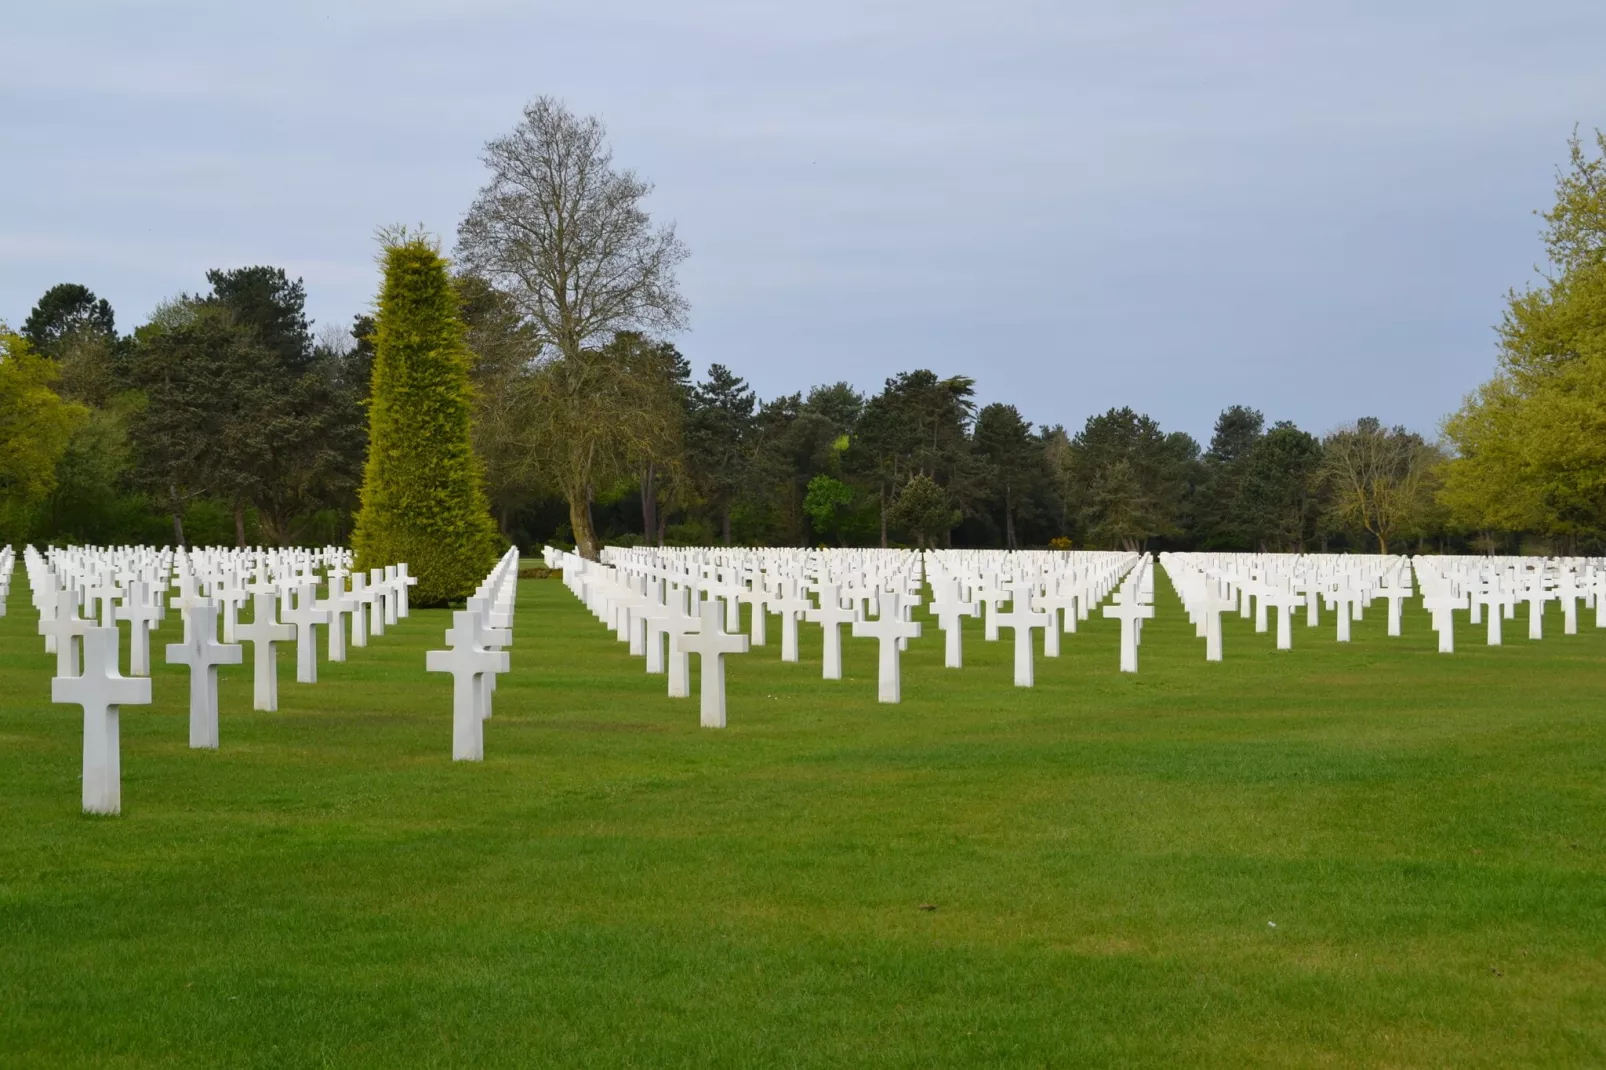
(671, 604)
(1489, 589)
(131, 584)
(1346, 585)
(476, 652)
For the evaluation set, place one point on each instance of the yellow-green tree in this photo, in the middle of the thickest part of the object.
(35, 426)
(422, 501)
(1531, 443)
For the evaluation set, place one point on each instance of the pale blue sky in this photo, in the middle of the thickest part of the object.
(1314, 209)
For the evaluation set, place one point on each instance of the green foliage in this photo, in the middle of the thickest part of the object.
(925, 509)
(1277, 494)
(719, 434)
(826, 503)
(1013, 462)
(35, 427)
(64, 310)
(1380, 480)
(1131, 479)
(1217, 521)
(421, 497)
(1531, 443)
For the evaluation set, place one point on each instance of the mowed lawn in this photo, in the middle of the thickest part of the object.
(1368, 854)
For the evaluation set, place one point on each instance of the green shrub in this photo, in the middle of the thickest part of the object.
(422, 500)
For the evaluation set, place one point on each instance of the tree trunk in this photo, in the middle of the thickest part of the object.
(1009, 518)
(585, 536)
(178, 529)
(883, 516)
(239, 524)
(649, 503)
(663, 525)
(725, 523)
(1382, 544)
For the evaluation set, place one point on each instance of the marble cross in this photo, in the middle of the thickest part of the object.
(1345, 601)
(1443, 607)
(1490, 597)
(360, 597)
(756, 597)
(1396, 597)
(304, 617)
(1285, 602)
(378, 594)
(67, 628)
(1130, 613)
(468, 662)
(264, 633)
(830, 616)
(338, 605)
(791, 606)
(989, 596)
(1022, 619)
(142, 615)
(950, 612)
(676, 623)
(203, 654)
(711, 643)
(102, 692)
(889, 629)
(1213, 606)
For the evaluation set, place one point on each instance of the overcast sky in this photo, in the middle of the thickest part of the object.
(1314, 209)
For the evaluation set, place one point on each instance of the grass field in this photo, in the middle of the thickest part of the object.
(1338, 856)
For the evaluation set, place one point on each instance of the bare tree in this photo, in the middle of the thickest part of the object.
(1380, 479)
(563, 232)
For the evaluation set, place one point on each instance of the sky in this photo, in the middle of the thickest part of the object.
(1313, 209)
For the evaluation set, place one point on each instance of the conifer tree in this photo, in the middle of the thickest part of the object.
(422, 499)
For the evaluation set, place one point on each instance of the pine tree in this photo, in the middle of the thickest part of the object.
(422, 501)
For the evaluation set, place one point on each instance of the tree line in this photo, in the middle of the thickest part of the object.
(226, 418)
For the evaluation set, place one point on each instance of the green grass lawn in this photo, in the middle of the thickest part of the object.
(1335, 856)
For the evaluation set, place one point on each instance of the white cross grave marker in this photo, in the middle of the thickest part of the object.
(711, 643)
(203, 654)
(264, 633)
(102, 691)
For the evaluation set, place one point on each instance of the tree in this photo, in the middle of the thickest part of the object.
(593, 417)
(65, 309)
(719, 439)
(1237, 431)
(503, 353)
(1276, 501)
(825, 503)
(1530, 445)
(201, 376)
(421, 496)
(294, 444)
(564, 233)
(919, 424)
(35, 426)
(925, 508)
(265, 300)
(1380, 479)
(1004, 442)
(1130, 480)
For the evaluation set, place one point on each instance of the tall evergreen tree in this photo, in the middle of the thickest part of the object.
(1216, 521)
(422, 501)
(719, 437)
(1014, 459)
(67, 308)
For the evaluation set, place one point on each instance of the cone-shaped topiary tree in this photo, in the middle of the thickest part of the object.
(422, 501)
